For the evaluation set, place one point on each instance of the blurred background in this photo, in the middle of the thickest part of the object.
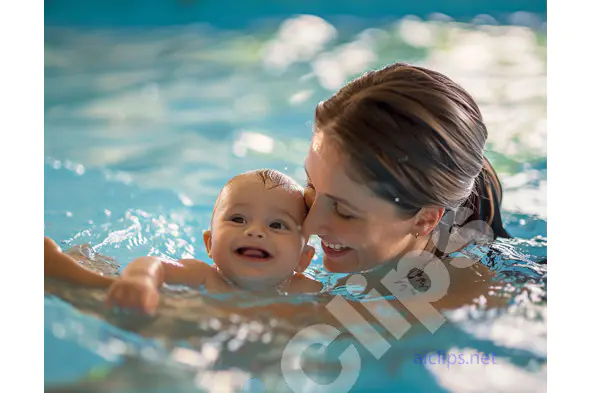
(181, 95)
(151, 106)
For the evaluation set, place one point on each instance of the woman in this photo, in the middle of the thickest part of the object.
(395, 163)
(392, 151)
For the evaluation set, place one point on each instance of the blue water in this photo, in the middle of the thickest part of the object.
(229, 14)
(143, 126)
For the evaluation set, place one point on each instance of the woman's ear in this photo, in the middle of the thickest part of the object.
(427, 219)
(305, 259)
(207, 239)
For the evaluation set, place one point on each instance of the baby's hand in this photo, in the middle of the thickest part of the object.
(135, 292)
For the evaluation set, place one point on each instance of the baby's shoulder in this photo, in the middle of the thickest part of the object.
(216, 283)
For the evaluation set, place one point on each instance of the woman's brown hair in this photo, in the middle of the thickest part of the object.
(415, 138)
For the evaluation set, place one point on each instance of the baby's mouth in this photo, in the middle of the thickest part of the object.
(253, 252)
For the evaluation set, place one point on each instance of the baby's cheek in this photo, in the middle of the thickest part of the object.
(289, 247)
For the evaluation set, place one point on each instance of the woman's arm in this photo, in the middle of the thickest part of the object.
(63, 267)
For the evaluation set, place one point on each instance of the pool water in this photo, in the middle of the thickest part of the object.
(143, 126)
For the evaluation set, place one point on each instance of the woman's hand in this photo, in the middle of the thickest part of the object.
(63, 267)
(139, 292)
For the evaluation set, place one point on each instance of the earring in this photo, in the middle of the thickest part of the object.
(416, 235)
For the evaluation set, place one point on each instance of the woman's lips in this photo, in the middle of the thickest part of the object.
(335, 252)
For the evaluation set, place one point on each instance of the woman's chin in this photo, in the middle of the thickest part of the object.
(346, 264)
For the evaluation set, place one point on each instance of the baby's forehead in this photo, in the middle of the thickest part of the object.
(248, 190)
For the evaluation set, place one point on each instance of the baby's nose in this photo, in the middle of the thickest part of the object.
(255, 231)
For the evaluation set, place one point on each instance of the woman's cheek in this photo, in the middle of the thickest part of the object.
(350, 231)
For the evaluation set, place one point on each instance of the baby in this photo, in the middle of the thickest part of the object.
(255, 241)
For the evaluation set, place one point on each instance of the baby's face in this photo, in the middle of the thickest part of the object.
(256, 238)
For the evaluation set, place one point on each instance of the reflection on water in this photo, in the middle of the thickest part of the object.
(144, 126)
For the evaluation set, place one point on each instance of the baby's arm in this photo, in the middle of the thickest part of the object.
(141, 280)
(189, 272)
(64, 267)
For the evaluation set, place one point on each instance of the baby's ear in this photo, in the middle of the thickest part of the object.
(306, 256)
(207, 239)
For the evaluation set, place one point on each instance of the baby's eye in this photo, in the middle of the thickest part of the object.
(278, 225)
(237, 219)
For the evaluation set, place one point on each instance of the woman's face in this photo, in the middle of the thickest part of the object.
(358, 229)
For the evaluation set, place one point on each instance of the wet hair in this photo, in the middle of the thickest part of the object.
(413, 136)
(270, 178)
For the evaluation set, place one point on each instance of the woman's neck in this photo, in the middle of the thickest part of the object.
(429, 246)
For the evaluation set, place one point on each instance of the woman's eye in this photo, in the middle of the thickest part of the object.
(237, 219)
(278, 225)
(340, 213)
